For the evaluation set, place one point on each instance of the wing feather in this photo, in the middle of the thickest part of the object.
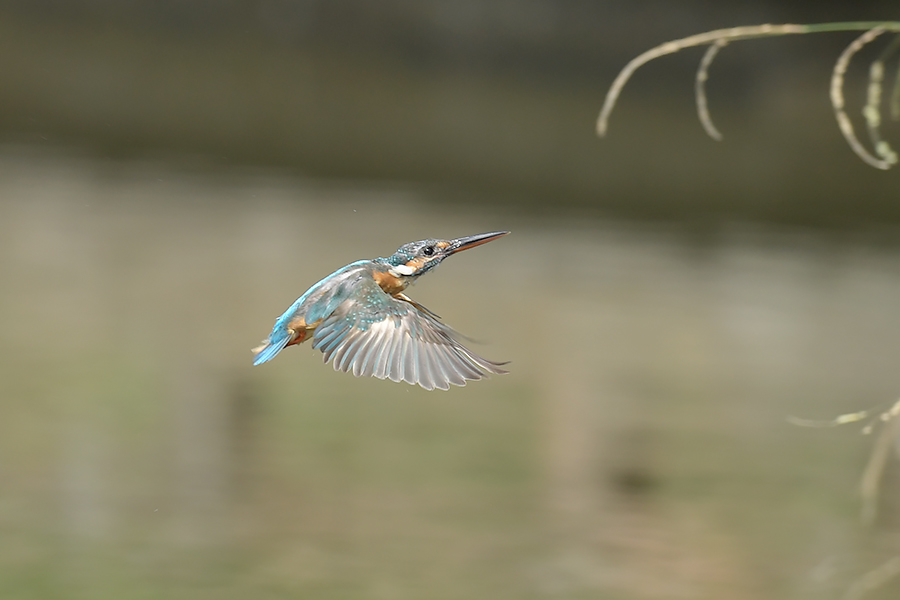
(426, 362)
(456, 369)
(411, 351)
(385, 353)
(397, 365)
(374, 334)
(363, 365)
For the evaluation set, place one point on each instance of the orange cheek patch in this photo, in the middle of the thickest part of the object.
(442, 245)
(416, 263)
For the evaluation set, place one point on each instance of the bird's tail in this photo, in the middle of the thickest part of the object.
(272, 345)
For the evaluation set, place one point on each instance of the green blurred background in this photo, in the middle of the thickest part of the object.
(174, 174)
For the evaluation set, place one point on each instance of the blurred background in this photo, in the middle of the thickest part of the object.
(174, 174)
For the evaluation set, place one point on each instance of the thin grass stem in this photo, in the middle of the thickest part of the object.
(837, 99)
(883, 158)
(700, 89)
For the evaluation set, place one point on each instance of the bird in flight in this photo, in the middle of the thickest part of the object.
(360, 318)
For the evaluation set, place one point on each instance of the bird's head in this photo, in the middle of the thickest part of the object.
(417, 258)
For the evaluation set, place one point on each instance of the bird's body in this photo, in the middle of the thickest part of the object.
(359, 317)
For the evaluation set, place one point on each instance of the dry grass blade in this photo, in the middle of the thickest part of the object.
(872, 110)
(700, 90)
(836, 422)
(701, 39)
(870, 484)
(837, 100)
(883, 158)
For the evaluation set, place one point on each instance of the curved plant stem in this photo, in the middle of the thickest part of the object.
(719, 38)
(837, 99)
(700, 89)
(870, 484)
(872, 110)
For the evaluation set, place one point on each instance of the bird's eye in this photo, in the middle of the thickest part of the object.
(428, 250)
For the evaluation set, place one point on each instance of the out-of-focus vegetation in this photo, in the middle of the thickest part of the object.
(638, 449)
(880, 155)
(487, 100)
(174, 174)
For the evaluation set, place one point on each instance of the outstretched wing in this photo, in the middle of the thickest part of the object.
(375, 334)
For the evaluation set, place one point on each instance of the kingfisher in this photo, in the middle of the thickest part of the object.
(360, 318)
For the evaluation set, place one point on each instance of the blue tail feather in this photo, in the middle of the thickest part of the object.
(272, 346)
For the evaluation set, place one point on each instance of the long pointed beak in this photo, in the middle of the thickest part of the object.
(470, 241)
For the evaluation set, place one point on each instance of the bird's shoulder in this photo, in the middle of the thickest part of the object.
(359, 283)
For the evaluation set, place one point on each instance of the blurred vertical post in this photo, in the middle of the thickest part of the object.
(571, 446)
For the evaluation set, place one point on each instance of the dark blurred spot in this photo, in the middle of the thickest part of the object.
(635, 482)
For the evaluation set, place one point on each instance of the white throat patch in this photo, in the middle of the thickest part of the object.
(402, 270)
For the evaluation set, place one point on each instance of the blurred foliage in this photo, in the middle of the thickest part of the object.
(881, 155)
(638, 449)
(485, 101)
(173, 174)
